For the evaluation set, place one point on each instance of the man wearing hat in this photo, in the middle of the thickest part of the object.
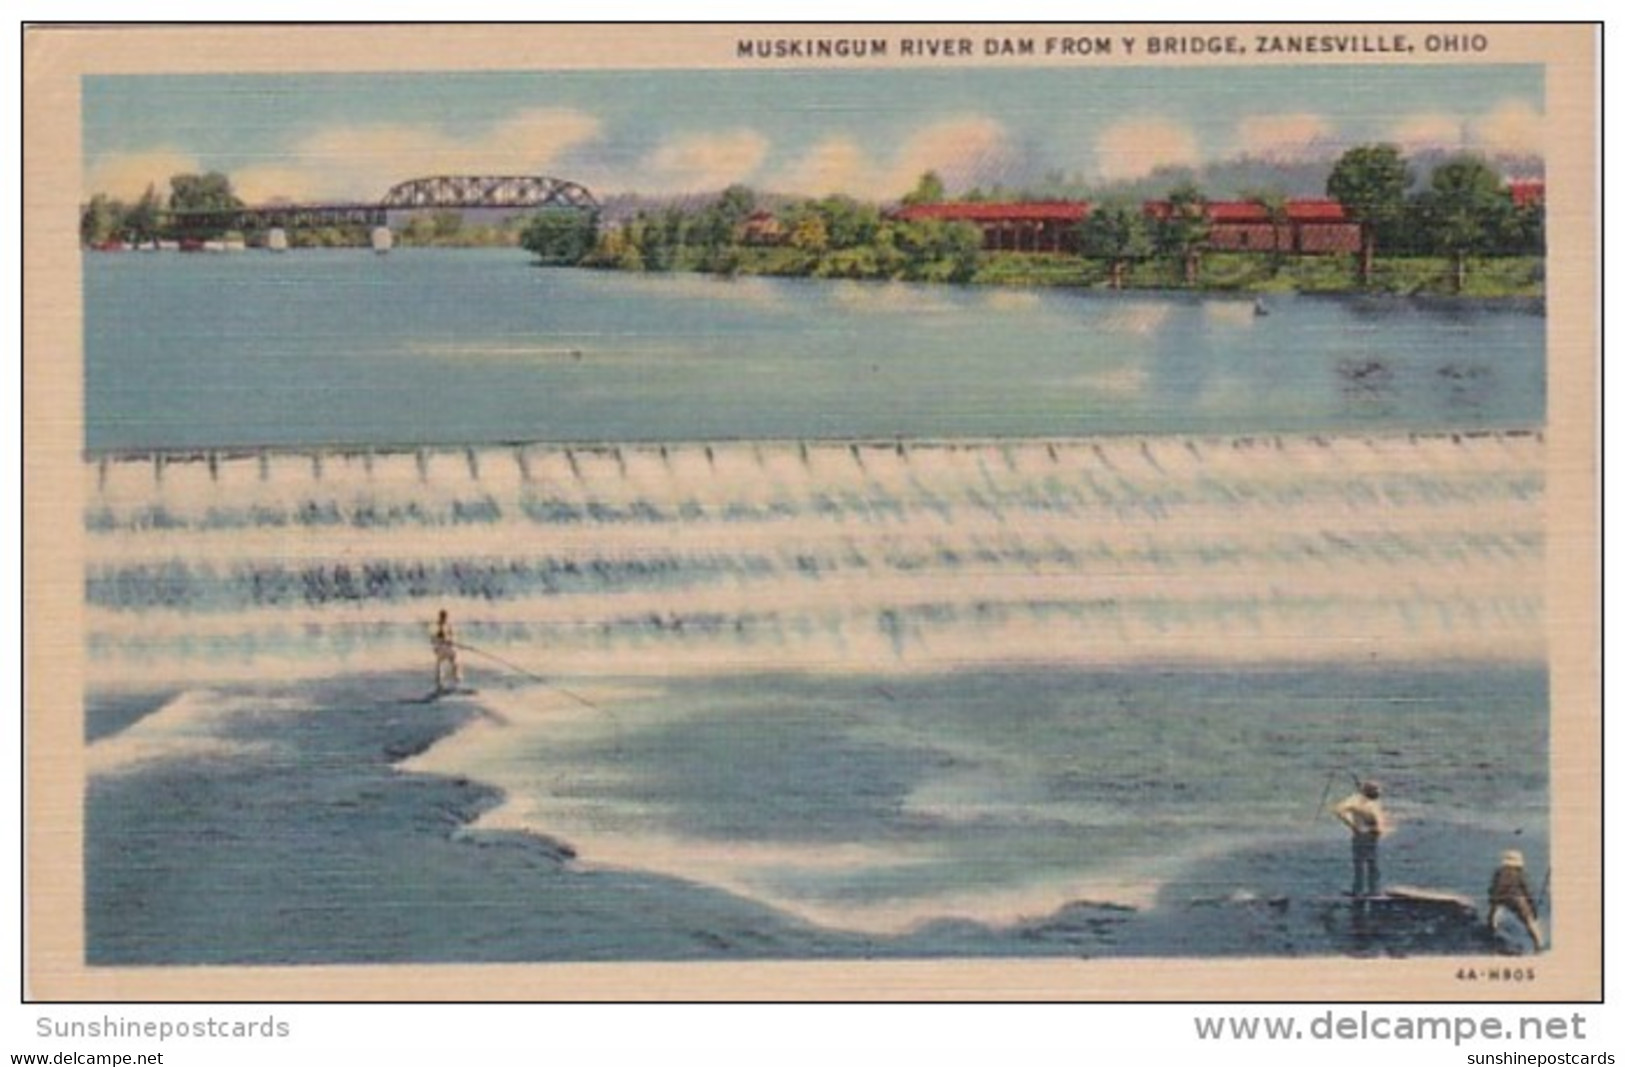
(1510, 889)
(1362, 814)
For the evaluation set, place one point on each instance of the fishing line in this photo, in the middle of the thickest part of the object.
(555, 686)
(1324, 793)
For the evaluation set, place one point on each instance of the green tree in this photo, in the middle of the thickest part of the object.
(718, 225)
(1115, 232)
(100, 220)
(616, 249)
(848, 223)
(937, 251)
(675, 231)
(961, 250)
(418, 231)
(657, 240)
(1184, 229)
(206, 197)
(1370, 182)
(202, 192)
(1465, 211)
(145, 220)
(928, 190)
(1525, 230)
(889, 260)
(810, 233)
(1273, 201)
(561, 237)
(447, 226)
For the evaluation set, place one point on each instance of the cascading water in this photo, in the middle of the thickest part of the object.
(680, 558)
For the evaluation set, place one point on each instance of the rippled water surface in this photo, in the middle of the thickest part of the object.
(474, 347)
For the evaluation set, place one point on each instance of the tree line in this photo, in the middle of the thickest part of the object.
(1464, 209)
(829, 237)
(153, 216)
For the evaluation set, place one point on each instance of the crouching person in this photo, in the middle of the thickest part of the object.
(1510, 889)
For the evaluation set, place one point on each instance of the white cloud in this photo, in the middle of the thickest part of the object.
(362, 162)
(271, 183)
(963, 151)
(1432, 130)
(834, 165)
(708, 161)
(1133, 148)
(1295, 136)
(126, 175)
(1512, 127)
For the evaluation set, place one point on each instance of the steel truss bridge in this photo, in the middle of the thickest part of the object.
(440, 193)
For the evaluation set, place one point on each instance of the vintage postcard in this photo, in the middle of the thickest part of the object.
(864, 512)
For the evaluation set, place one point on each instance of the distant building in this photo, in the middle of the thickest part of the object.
(761, 228)
(1305, 227)
(1041, 226)
(1527, 191)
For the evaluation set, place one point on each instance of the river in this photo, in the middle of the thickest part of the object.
(806, 618)
(477, 347)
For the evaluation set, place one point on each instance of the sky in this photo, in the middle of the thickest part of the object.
(866, 133)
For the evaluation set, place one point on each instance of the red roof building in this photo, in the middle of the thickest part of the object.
(1527, 191)
(1307, 227)
(1039, 226)
(761, 228)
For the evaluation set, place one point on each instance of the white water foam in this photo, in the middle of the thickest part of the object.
(821, 556)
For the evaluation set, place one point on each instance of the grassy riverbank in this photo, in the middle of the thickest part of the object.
(1487, 278)
(1506, 277)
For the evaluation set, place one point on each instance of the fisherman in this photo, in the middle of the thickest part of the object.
(1362, 813)
(445, 655)
(1509, 889)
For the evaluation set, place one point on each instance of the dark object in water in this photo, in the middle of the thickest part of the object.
(1361, 371)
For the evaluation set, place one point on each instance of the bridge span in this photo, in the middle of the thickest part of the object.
(438, 193)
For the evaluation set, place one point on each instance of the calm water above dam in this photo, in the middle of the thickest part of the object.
(474, 347)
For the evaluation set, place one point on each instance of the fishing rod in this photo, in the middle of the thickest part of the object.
(1324, 793)
(1327, 791)
(532, 675)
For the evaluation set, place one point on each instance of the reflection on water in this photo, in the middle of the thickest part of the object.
(476, 347)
